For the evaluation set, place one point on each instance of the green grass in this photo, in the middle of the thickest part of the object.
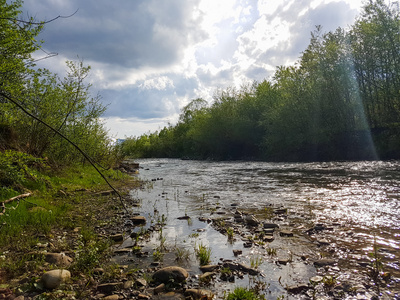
(203, 254)
(241, 293)
(61, 201)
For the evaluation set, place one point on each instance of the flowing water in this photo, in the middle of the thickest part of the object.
(358, 201)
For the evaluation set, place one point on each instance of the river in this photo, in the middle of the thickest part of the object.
(357, 202)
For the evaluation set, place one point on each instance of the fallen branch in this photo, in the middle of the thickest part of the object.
(16, 198)
(3, 203)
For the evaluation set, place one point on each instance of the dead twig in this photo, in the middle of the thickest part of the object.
(3, 203)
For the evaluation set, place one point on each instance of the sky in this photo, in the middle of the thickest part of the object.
(150, 58)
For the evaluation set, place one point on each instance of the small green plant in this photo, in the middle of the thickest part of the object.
(226, 271)
(181, 254)
(194, 235)
(91, 251)
(255, 262)
(329, 282)
(158, 255)
(162, 220)
(203, 254)
(271, 251)
(162, 240)
(229, 232)
(242, 293)
(376, 264)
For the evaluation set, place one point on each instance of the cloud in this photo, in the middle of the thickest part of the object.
(150, 58)
(130, 33)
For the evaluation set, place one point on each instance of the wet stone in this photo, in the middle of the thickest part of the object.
(297, 289)
(283, 261)
(324, 262)
(122, 251)
(316, 279)
(270, 225)
(206, 276)
(208, 268)
(199, 294)
(247, 244)
(268, 238)
(117, 237)
(280, 211)
(323, 242)
(165, 275)
(286, 233)
(252, 220)
(138, 220)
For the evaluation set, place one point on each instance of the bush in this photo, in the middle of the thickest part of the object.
(19, 169)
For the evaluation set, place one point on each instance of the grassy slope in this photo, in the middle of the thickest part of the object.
(63, 215)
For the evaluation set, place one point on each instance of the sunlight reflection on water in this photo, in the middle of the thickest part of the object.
(362, 196)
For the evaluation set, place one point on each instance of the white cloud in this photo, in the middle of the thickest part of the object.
(150, 58)
(159, 83)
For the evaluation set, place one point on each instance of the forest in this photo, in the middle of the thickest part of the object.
(340, 101)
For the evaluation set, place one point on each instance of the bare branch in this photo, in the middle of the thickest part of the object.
(40, 23)
(15, 102)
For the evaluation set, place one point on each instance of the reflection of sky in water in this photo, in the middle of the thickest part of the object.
(364, 193)
(363, 196)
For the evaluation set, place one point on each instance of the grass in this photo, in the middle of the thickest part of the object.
(255, 262)
(271, 251)
(182, 254)
(60, 203)
(242, 293)
(203, 254)
(230, 233)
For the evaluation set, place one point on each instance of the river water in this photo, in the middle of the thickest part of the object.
(358, 201)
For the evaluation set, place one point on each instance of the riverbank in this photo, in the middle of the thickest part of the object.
(296, 253)
(114, 254)
(69, 226)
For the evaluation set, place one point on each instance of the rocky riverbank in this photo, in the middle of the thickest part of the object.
(271, 252)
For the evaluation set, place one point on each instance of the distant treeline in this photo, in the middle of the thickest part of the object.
(340, 101)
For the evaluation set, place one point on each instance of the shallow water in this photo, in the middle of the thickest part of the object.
(361, 200)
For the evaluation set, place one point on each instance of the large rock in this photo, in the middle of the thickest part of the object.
(52, 279)
(165, 275)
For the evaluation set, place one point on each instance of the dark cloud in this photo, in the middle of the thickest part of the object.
(138, 47)
(127, 33)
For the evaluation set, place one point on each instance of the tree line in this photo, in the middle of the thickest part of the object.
(340, 101)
